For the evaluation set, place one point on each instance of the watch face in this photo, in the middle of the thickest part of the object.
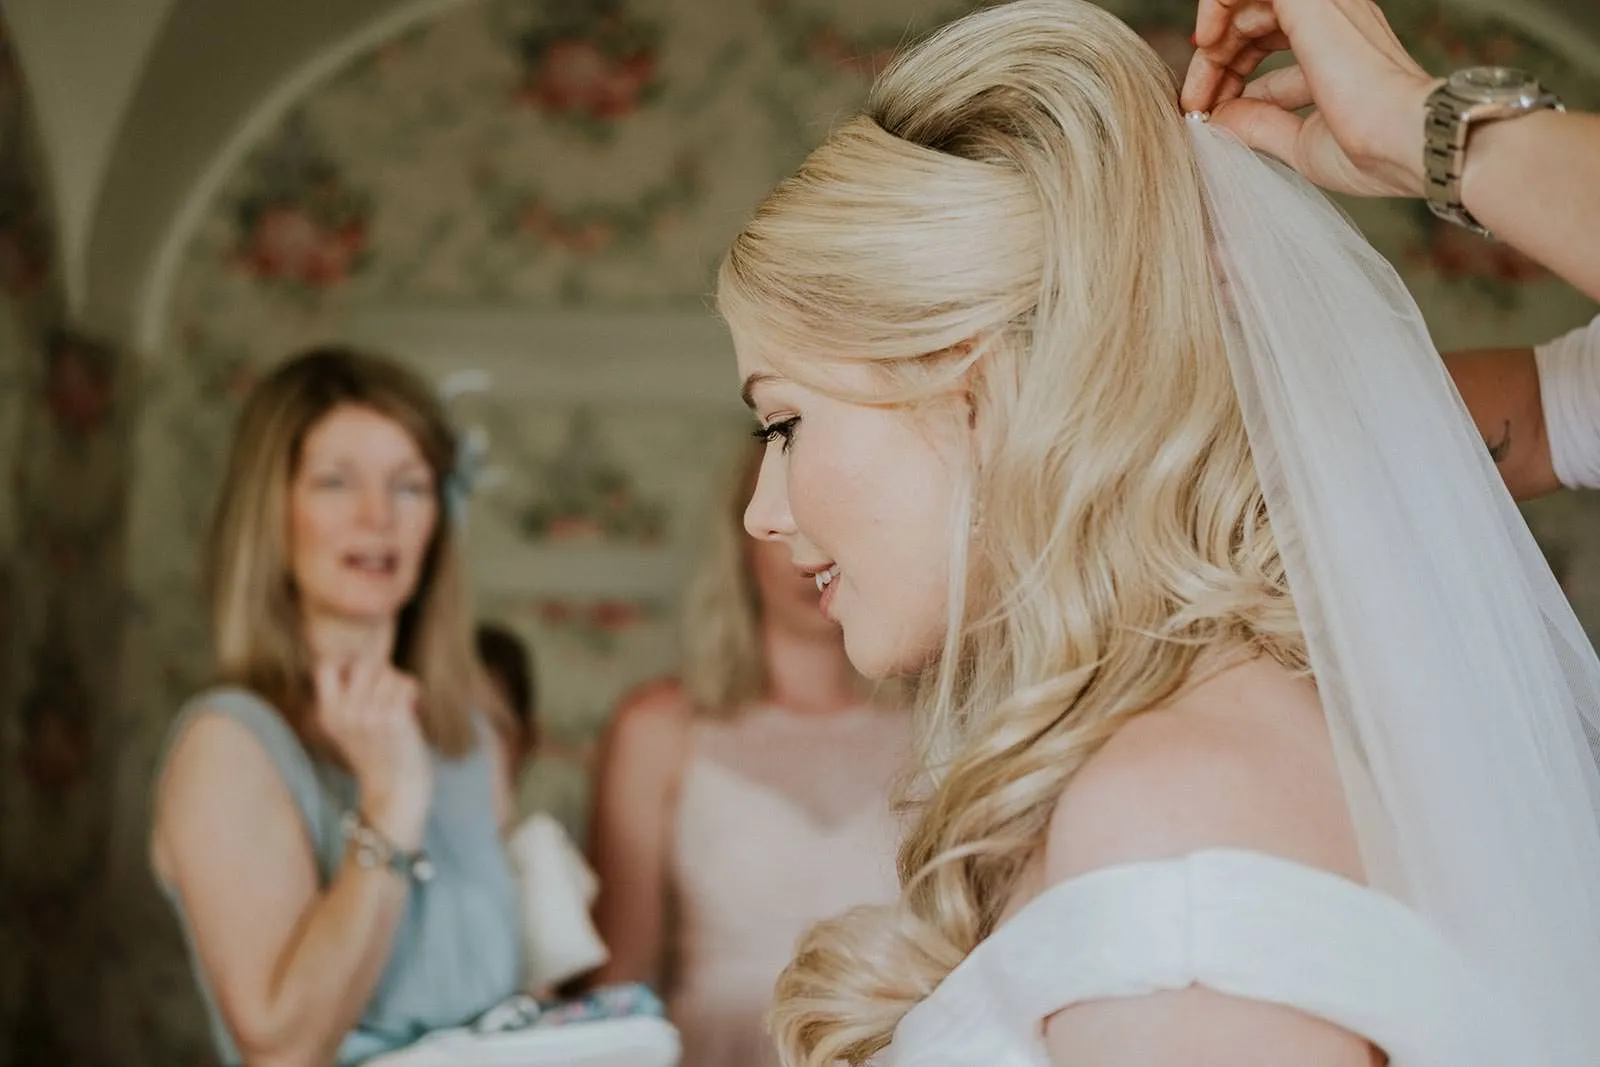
(1494, 83)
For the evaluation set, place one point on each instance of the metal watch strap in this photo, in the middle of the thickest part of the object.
(1447, 128)
(372, 850)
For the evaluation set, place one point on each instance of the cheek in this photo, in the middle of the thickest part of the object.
(311, 530)
(418, 529)
(830, 497)
(872, 485)
(415, 535)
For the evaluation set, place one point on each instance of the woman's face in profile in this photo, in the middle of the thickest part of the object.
(363, 508)
(789, 598)
(862, 497)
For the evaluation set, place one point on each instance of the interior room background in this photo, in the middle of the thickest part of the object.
(526, 198)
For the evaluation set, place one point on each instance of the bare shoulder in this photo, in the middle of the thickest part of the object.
(219, 783)
(650, 722)
(214, 758)
(649, 715)
(1242, 759)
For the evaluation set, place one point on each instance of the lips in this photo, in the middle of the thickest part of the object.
(375, 563)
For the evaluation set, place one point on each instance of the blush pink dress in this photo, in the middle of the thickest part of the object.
(783, 819)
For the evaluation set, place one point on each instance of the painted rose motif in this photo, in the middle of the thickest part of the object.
(57, 741)
(588, 62)
(588, 230)
(581, 494)
(24, 234)
(299, 224)
(577, 77)
(79, 384)
(818, 40)
(288, 243)
(862, 59)
(599, 623)
(1467, 43)
(1454, 253)
(1459, 257)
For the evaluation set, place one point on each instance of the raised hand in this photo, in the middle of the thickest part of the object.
(1365, 136)
(369, 710)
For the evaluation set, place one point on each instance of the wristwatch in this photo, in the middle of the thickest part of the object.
(373, 850)
(1467, 98)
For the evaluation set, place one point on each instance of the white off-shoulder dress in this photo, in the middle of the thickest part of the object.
(1244, 924)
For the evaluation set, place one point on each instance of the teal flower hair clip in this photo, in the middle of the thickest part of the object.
(471, 470)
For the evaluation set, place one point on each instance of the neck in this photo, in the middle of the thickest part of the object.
(809, 674)
(347, 640)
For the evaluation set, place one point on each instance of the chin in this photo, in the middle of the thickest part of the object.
(365, 609)
(877, 659)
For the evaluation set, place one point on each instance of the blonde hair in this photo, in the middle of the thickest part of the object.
(256, 623)
(724, 662)
(1017, 218)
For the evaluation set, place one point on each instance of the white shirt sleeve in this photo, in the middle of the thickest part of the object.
(1569, 389)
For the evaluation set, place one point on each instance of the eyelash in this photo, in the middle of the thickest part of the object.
(783, 428)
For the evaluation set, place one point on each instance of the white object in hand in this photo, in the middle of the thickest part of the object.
(556, 888)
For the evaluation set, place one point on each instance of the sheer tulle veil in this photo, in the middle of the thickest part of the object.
(1461, 692)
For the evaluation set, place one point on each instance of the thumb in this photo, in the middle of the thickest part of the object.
(1263, 126)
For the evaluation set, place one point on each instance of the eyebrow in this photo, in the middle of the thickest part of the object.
(747, 394)
(343, 459)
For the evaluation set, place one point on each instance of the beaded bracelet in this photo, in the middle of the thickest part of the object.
(374, 850)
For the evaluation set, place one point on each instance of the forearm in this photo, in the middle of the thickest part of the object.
(633, 927)
(327, 977)
(1534, 182)
(1501, 390)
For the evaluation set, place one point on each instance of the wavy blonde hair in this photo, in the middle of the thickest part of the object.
(724, 663)
(1018, 217)
(256, 624)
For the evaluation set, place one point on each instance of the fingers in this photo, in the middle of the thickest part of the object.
(1286, 88)
(1227, 29)
(1200, 84)
(1213, 79)
(1212, 20)
(358, 696)
(1252, 20)
(1262, 126)
(395, 702)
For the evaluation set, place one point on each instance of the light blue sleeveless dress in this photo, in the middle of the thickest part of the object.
(455, 951)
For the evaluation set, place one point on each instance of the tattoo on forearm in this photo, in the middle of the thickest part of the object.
(1498, 450)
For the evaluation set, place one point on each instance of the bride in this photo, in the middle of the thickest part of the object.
(1254, 722)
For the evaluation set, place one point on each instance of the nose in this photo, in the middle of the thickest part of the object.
(766, 517)
(376, 505)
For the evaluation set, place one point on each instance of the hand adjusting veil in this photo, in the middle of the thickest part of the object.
(1460, 690)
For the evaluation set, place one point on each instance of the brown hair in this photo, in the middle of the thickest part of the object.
(509, 663)
(256, 623)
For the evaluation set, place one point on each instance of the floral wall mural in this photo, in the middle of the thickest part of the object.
(556, 154)
(64, 414)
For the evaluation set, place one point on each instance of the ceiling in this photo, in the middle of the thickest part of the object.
(142, 105)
